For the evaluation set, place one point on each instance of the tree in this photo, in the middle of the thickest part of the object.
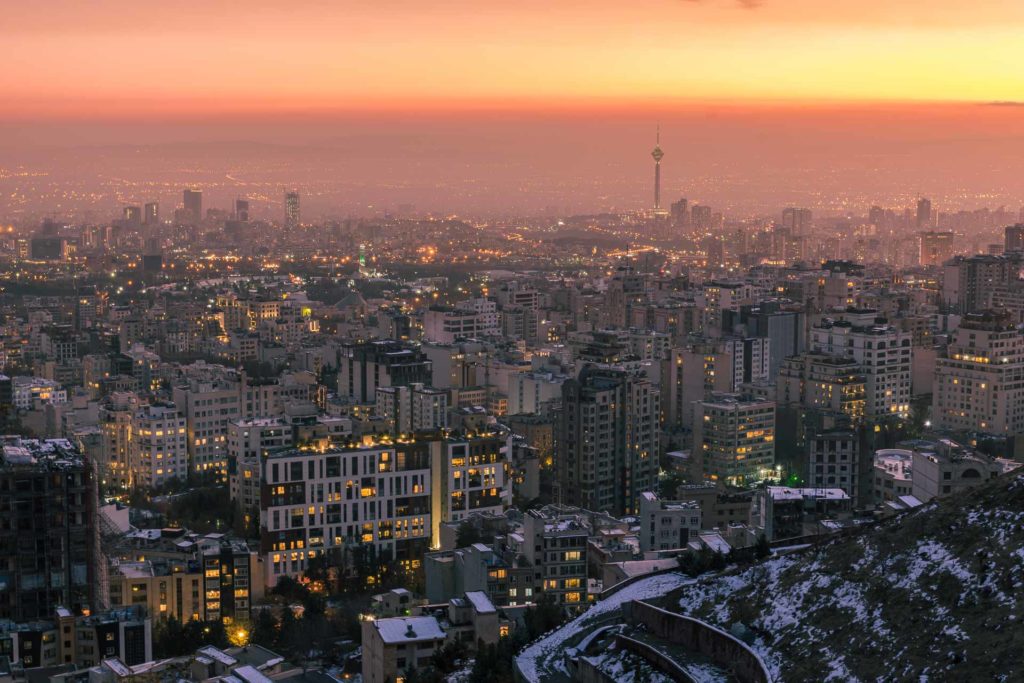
(264, 630)
(762, 549)
(168, 638)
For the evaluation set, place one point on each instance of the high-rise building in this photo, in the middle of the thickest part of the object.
(151, 213)
(158, 452)
(208, 407)
(49, 540)
(937, 247)
(469, 476)
(133, 216)
(781, 323)
(384, 363)
(1014, 240)
(924, 213)
(242, 210)
(291, 209)
(680, 214)
(609, 439)
(734, 439)
(317, 503)
(413, 408)
(979, 383)
(193, 200)
(970, 283)
(882, 351)
(835, 463)
(830, 384)
(701, 217)
(115, 417)
(230, 574)
(798, 221)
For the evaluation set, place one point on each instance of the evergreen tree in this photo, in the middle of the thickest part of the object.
(264, 630)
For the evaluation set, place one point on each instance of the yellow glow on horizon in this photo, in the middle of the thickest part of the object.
(202, 58)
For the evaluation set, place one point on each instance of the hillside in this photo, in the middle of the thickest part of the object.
(935, 595)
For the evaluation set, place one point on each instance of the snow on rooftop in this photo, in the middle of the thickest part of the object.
(786, 493)
(249, 674)
(408, 629)
(481, 603)
(716, 543)
(218, 655)
(911, 501)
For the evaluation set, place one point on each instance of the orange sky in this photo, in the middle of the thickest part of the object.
(68, 59)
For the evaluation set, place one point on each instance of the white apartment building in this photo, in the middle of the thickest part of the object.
(470, 476)
(473, 318)
(116, 414)
(158, 451)
(883, 353)
(28, 391)
(979, 383)
(328, 502)
(531, 392)
(667, 524)
(413, 408)
(893, 474)
(208, 406)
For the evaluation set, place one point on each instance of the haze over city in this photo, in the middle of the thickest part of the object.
(516, 107)
(583, 341)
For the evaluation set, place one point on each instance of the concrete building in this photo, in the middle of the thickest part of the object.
(158, 452)
(720, 508)
(609, 440)
(316, 502)
(979, 382)
(893, 474)
(734, 439)
(49, 535)
(469, 475)
(834, 462)
(882, 351)
(667, 524)
(818, 381)
(208, 406)
(945, 468)
(367, 366)
(471, 319)
(969, 283)
(116, 413)
(29, 392)
(65, 639)
(555, 541)
(413, 408)
(781, 512)
(393, 646)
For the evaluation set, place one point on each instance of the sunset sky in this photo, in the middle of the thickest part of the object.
(122, 59)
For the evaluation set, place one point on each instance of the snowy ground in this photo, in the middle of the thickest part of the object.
(544, 657)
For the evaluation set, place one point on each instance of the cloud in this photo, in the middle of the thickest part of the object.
(1005, 103)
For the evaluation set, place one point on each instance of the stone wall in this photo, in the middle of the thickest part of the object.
(697, 636)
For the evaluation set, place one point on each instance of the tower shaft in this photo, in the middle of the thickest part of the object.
(657, 185)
